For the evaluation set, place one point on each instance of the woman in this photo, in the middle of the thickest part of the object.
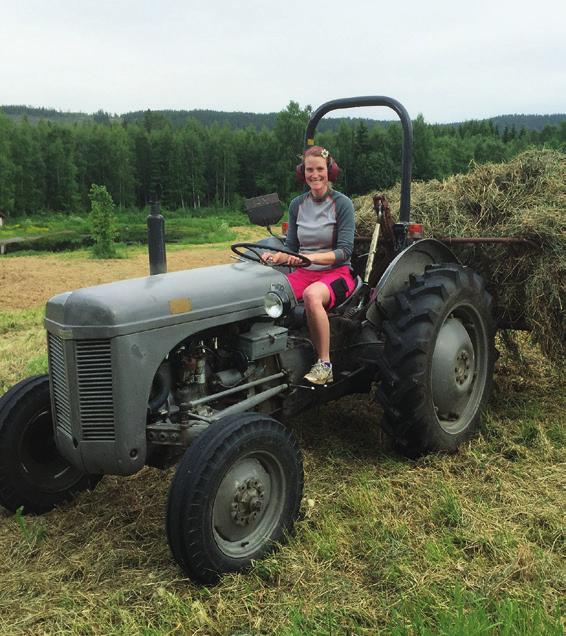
(321, 227)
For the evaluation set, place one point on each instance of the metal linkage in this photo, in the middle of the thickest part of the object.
(237, 389)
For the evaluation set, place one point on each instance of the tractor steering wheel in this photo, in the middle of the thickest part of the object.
(258, 249)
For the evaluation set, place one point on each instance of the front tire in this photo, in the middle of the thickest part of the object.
(236, 493)
(33, 475)
(440, 351)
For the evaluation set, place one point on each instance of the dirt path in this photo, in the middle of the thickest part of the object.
(29, 281)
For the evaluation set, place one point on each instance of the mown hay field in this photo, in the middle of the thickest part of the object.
(467, 544)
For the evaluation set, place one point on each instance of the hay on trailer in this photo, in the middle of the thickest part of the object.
(524, 198)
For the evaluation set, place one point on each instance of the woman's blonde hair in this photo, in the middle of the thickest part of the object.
(317, 151)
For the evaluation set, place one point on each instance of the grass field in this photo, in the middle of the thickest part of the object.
(64, 232)
(459, 545)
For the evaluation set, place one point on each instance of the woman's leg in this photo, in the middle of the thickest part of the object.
(315, 297)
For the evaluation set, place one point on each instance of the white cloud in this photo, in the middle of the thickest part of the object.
(447, 60)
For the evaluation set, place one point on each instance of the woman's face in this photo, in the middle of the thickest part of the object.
(316, 175)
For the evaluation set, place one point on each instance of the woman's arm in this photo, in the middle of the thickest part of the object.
(345, 226)
(322, 258)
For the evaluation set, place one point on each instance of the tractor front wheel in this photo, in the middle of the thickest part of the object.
(440, 351)
(236, 494)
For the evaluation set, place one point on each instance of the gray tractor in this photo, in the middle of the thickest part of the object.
(204, 365)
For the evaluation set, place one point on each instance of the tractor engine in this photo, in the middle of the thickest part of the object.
(206, 378)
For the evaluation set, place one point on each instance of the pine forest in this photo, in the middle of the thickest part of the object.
(49, 166)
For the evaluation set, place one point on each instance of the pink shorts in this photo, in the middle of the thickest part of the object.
(339, 281)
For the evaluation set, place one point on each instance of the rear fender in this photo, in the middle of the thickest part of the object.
(411, 261)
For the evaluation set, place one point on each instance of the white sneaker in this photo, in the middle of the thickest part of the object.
(319, 374)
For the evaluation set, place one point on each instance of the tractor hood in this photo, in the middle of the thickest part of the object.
(141, 304)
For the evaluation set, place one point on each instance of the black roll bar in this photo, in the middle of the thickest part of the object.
(375, 100)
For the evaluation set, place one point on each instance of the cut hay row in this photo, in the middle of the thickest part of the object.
(524, 198)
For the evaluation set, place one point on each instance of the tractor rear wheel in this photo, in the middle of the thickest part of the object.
(440, 351)
(33, 475)
(236, 493)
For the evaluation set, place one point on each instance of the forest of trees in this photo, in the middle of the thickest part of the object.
(50, 166)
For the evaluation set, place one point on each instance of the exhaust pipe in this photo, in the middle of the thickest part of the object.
(156, 240)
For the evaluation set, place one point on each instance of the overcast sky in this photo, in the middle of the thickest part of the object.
(448, 60)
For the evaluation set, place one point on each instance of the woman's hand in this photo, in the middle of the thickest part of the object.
(294, 261)
(278, 258)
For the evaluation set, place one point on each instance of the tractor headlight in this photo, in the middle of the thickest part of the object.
(276, 303)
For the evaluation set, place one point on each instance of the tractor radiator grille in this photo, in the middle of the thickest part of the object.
(94, 376)
(61, 396)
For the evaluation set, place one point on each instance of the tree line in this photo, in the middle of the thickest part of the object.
(50, 166)
(240, 119)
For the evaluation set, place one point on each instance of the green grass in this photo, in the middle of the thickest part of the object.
(14, 321)
(465, 544)
(58, 232)
(44, 224)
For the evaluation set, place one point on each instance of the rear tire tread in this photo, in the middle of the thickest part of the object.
(410, 332)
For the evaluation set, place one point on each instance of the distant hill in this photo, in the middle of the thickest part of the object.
(177, 118)
(239, 119)
(243, 119)
(36, 114)
(530, 122)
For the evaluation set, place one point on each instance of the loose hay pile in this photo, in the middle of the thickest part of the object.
(525, 198)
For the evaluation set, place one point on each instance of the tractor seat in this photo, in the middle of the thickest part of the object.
(359, 283)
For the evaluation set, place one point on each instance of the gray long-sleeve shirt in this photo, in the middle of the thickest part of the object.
(325, 225)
